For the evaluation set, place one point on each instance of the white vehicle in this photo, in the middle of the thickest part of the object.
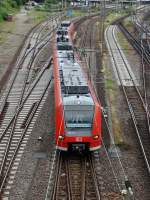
(62, 35)
(65, 24)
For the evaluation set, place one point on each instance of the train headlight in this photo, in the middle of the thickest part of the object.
(61, 137)
(95, 137)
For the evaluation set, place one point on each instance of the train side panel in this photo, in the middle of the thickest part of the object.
(63, 141)
(59, 113)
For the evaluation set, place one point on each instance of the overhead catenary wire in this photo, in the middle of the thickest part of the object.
(125, 176)
(112, 140)
(54, 157)
(110, 137)
(126, 181)
(118, 157)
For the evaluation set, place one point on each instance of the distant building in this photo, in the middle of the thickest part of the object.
(88, 2)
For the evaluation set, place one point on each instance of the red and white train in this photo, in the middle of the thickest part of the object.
(77, 110)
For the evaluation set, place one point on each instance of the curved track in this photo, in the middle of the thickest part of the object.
(82, 176)
(137, 108)
(22, 102)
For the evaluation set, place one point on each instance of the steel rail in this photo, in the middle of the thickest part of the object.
(58, 168)
(84, 38)
(49, 62)
(136, 88)
(145, 88)
(21, 62)
(83, 186)
(57, 177)
(144, 74)
(4, 132)
(94, 176)
(69, 188)
(131, 113)
(65, 161)
(135, 43)
(145, 30)
(13, 127)
(3, 178)
(30, 65)
(17, 111)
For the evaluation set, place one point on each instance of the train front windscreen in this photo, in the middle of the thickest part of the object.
(78, 120)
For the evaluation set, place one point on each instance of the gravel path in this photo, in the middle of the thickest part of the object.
(15, 33)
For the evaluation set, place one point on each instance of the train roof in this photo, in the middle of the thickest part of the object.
(72, 76)
(65, 56)
(64, 46)
(74, 82)
(65, 23)
(61, 31)
(78, 100)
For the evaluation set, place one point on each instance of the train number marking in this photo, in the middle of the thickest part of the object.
(78, 139)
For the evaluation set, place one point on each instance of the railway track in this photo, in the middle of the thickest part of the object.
(79, 177)
(75, 178)
(22, 101)
(142, 48)
(135, 43)
(25, 64)
(92, 66)
(136, 105)
(15, 136)
(96, 80)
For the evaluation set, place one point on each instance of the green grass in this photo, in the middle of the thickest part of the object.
(7, 28)
(7, 7)
(111, 93)
(112, 16)
(127, 48)
(128, 24)
(38, 16)
(123, 42)
(109, 84)
(77, 13)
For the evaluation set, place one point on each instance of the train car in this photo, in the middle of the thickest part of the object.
(62, 35)
(77, 111)
(66, 24)
(69, 26)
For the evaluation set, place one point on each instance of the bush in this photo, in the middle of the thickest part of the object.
(1, 18)
(9, 6)
(19, 2)
(14, 4)
(3, 12)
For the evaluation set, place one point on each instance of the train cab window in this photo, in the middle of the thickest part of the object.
(62, 33)
(66, 24)
(79, 118)
(64, 47)
(58, 33)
